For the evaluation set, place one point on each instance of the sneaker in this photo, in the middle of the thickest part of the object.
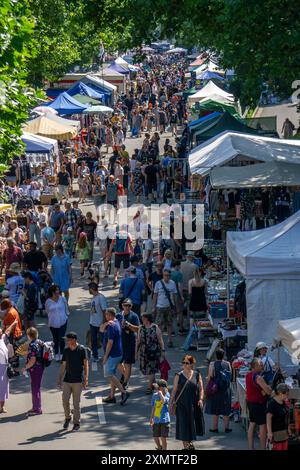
(125, 397)
(76, 427)
(109, 400)
(67, 423)
(34, 413)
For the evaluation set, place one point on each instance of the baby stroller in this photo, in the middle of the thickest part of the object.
(44, 281)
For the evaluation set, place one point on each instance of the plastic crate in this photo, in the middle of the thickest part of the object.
(218, 310)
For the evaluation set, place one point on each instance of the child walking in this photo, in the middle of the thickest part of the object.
(160, 417)
(82, 252)
(68, 242)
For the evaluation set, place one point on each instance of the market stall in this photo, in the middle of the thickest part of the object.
(66, 104)
(211, 89)
(269, 259)
(47, 127)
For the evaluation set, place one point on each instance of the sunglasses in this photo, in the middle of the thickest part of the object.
(186, 363)
(126, 305)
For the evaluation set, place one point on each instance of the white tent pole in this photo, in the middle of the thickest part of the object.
(228, 288)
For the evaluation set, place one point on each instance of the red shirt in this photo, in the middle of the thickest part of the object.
(12, 255)
(253, 390)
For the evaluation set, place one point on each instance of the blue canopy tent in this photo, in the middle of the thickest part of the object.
(106, 94)
(66, 104)
(118, 68)
(84, 89)
(36, 144)
(207, 75)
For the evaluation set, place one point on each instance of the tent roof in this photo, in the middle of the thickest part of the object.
(96, 80)
(85, 90)
(208, 90)
(37, 144)
(122, 69)
(224, 147)
(49, 128)
(254, 176)
(65, 104)
(221, 122)
(288, 332)
(217, 105)
(194, 124)
(83, 99)
(64, 122)
(208, 75)
(273, 252)
(109, 72)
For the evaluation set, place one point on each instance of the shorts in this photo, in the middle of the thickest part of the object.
(128, 355)
(257, 413)
(110, 368)
(63, 191)
(119, 259)
(164, 317)
(161, 429)
(152, 187)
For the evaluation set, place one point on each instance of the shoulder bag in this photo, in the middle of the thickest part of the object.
(129, 293)
(168, 295)
(173, 407)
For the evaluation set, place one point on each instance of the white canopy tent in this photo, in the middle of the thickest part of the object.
(208, 90)
(228, 145)
(269, 259)
(289, 334)
(254, 176)
(98, 81)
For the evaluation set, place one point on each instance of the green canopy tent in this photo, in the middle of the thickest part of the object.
(83, 99)
(214, 105)
(208, 129)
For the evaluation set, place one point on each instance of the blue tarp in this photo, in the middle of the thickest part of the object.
(65, 104)
(107, 94)
(83, 89)
(207, 75)
(117, 68)
(35, 145)
(54, 92)
(204, 118)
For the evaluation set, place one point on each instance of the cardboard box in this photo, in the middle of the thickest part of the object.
(47, 198)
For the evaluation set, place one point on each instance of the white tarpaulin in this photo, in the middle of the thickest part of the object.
(289, 333)
(226, 146)
(208, 90)
(270, 253)
(254, 176)
(269, 259)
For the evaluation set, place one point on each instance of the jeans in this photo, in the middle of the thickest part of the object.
(58, 334)
(35, 232)
(94, 337)
(36, 374)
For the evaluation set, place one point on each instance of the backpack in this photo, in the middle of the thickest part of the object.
(121, 244)
(47, 353)
(222, 378)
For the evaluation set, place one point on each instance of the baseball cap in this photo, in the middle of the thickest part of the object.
(127, 301)
(132, 269)
(261, 345)
(71, 335)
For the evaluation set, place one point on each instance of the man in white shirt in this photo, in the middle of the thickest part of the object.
(165, 305)
(97, 310)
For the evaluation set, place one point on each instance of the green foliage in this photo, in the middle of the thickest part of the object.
(259, 39)
(15, 97)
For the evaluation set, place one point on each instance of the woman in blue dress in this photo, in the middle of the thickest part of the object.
(62, 270)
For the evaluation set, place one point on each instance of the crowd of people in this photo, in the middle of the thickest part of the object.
(162, 290)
